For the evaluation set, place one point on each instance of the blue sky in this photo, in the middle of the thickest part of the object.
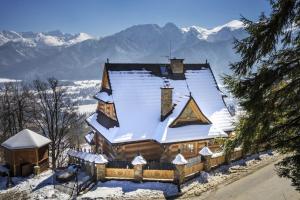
(104, 17)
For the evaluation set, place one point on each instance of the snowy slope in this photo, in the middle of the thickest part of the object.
(52, 38)
(66, 56)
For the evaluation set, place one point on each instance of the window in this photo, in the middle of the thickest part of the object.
(191, 148)
(188, 148)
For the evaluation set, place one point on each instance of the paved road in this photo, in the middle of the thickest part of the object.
(263, 184)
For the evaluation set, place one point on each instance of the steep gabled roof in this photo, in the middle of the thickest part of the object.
(191, 114)
(26, 139)
(136, 95)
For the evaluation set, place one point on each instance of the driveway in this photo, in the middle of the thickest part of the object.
(264, 184)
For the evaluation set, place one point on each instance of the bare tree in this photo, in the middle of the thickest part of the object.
(15, 106)
(55, 114)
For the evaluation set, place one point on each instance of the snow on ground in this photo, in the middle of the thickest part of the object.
(41, 187)
(33, 187)
(87, 109)
(130, 190)
(236, 169)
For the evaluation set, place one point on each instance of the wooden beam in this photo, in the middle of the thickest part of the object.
(37, 156)
(14, 163)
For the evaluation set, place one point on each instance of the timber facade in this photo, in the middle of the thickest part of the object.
(186, 120)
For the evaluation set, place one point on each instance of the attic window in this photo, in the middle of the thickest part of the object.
(164, 70)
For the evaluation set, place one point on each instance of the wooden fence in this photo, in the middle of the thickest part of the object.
(188, 171)
(163, 175)
(216, 161)
(155, 171)
(119, 173)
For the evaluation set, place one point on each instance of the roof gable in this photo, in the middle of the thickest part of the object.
(190, 114)
(136, 94)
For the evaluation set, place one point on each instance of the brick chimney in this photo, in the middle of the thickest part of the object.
(166, 101)
(176, 65)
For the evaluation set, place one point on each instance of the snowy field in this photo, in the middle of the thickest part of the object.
(82, 92)
(6, 80)
(87, 109)
(41, 187)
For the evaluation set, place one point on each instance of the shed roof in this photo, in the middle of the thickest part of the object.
(26, 139)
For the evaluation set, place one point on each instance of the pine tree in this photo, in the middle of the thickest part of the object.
(266, 81)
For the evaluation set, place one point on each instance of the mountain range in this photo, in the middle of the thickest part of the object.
(26, 55)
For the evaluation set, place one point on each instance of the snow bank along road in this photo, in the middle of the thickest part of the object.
(264, 184)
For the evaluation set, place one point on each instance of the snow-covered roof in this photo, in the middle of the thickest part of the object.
(89, 137)
(26, 139)
(100, 159)
(136, 94)
(90, 157)
(104, 96)
(138, 160)
(179, 160)
(205, 151)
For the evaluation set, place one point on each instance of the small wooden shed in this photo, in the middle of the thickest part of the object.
(25, 150)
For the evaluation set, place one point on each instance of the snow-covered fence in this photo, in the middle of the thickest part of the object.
(179, 170)
(237, 154)
(217, 159)
(193, 166)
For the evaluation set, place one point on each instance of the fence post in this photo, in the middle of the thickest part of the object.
(138, 162)
(179, 163)
(207, 154)
(100, 167)
(37, 170)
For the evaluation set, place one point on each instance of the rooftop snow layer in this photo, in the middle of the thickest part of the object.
(26, 139)
(103, 96)
(137, 96)
(89, 137)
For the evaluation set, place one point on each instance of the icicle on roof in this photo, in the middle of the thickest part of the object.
(139, 160)
(205, 151)
(179, 160)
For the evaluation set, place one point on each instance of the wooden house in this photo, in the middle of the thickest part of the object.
(156, 109)
(25, 150)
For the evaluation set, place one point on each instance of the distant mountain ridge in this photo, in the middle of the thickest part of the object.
(80, 56)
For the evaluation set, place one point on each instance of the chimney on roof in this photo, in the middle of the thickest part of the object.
(166, 101)
(176, 65)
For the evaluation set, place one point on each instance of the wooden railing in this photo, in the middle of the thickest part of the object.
(193, 169)
(119, 173)
(155, 171)
(158, 174)
(216, 161)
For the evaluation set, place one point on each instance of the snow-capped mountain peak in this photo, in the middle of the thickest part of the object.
(51, 38)
(205, 34)
(70, 56)
(79, 38)
(232, 25)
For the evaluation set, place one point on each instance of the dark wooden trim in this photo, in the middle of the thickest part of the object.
(188, 123)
